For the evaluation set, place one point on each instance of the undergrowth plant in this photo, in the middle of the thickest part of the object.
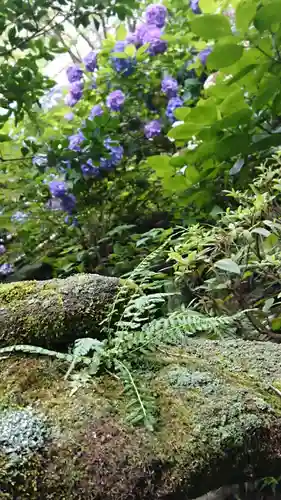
(149, 321)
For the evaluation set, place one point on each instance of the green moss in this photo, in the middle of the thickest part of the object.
(11, 293)
(211, 419)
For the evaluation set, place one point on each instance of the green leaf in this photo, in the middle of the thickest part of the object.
(208, 6)
(119, 55)
(211, 26)
(276, 324)
(224, 55)
(245, 14)
(243, 72)
(272, 140)
(121, 32)
(228, 265)
(267, 15)
(181, 113)
(261, 231)
(5, 138)
(130, 50)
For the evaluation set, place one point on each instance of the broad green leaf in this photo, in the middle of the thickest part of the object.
(130, 50)
(121, 32)
(234, 102)
(208, 6)
(267, 15)
(242, 73)
(5, 138)
(240, 117)
(224, 55)
(181, 113)
(261, 231)
(183, 132)
(228, 265)
(276, 324)
(264, 143)
(268, 305)
(119, 55)
(245, 13)
(211, 26)
(192, 175)
(233, 145)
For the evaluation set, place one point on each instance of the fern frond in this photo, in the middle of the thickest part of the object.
(81, 348)
(32, 349)
(141, 404)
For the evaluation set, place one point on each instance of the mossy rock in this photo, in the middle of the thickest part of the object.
(218, 422)
(55, 312)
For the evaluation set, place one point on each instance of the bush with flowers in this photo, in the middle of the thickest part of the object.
(152, 122)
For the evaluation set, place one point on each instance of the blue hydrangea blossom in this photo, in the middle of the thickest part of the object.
(156, 14)
(174, 103)
(6, 269)
(156, 44)
(115, 100)
(170, 86)
(152, 129)
(194, 5)
(58, 189)
(203, 55)
(75, 141)
(89, 169)
(69, 116)
(74, 74)
(96, 111)
(19, 217)
(124, 66)
(90, 61)
(2, 249)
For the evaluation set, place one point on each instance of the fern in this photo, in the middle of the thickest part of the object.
(141, 405)
(81, 348)
(31, 349)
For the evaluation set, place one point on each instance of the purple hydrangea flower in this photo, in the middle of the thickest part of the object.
(6, 269)
(96, 111)
(141, 32)
(152, 129)
(156, 14)
(90, 170)
(69, 116)
(194, 5)
(75, 141)
(2, 249)
(68, 203)
(156, 45)
(74, 74)
(169, 86)
(132, 38)
(90, 61)
(19, 217)
(94, 83)
(116, 156)
(174, 103)
(203, 55)
(39, 160)
(70, 100)
(76, 90)
(115, 100)
(124, 66)
(58, 189)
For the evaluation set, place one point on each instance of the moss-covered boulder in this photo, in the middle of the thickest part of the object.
(54, 312)
(218, 411)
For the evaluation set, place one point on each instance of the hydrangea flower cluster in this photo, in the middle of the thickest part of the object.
(74, 74)
(194, 5)
(90, 170)
(75, 141)
(116, 154)
(6, 269)
(2, 249)
(170, 86)
(156, 14)
(151, 31)
(58, 189)
(152, 129)
(90, 61)
(115, 100)
(96, 111)
(124, 66)
(203, 55)
(173, 104)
